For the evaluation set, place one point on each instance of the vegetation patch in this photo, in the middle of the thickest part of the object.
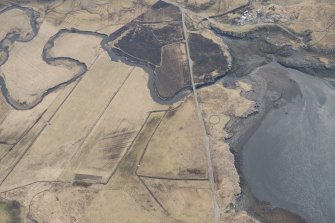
(10, 212)
(208, 58)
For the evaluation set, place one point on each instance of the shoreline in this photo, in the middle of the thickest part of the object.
(241, 130)
(251, 52)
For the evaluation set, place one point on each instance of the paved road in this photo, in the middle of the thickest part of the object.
(216, 209)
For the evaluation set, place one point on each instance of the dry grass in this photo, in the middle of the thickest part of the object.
(131, 193)
(4, 109)
(95, 128)
(93, 15)
(124, 208)
(85, 20)
(71, 124)
(85, 48)
(317, 16)
(300, 15)
(61, 204)
(4, 148)
(176, 149)
(16, 21)
(15, 154)
(117, 128)
(27, 75)
(25, 194)
(212, 7)
(18, 122)
(187, 201)
(4, 216)
(219, 105)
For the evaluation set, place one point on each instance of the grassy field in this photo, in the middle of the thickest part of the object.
(171, 152)
(17, 21)
(27, 75)
(219, 105)
(101, 149)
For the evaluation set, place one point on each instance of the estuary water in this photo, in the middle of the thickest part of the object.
(289, 160)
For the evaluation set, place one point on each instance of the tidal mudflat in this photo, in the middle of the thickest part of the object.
(288, 159)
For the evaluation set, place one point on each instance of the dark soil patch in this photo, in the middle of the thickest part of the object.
(145, 42)
(161, 12)
(207, 58)
(12, 209)
(170, 114)
(155, 34)
(79, 177)
(160, 5)
(81, 184)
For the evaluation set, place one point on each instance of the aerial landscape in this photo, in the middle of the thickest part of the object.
(167, 111)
